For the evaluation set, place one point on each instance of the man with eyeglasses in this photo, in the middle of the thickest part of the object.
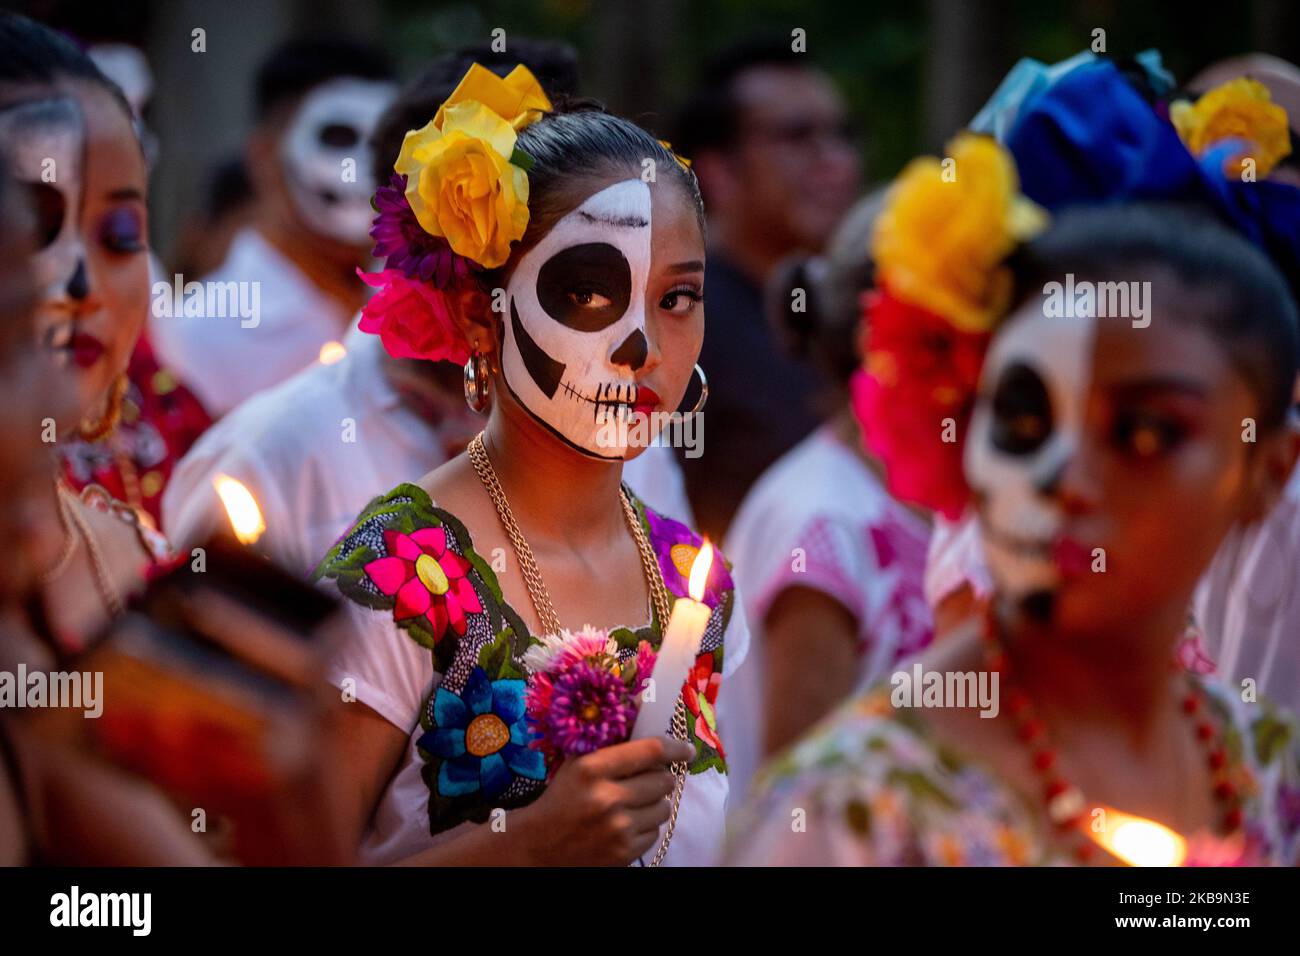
(769, 137)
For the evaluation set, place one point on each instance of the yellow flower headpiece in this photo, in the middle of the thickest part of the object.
(1239, 109)
(946, 228)
(465, 179)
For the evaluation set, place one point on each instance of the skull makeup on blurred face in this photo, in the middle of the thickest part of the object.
(327, 156)
(575, 330)
(44, 144)
(1026, 427)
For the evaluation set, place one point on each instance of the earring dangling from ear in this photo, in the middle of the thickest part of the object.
(704, 391)
(92, 430)
(478, 387)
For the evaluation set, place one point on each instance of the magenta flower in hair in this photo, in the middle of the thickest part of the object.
(403, 243)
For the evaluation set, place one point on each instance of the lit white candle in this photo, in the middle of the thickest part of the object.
(1138, 841)
(677, 652)
(241, 509)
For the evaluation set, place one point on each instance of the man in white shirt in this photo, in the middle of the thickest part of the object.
(316, 449)
(288, 285)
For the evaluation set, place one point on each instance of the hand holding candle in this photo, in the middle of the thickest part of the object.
(677, 651)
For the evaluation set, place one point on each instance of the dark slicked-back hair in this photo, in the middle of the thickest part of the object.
(1241, 298)
(297, 67)
(569, 147)
(33, 54)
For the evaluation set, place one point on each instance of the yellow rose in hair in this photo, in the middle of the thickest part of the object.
(1239, 109)
(517, 98)
(947, 226)
(461, 184)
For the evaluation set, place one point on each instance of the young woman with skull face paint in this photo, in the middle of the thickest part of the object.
(69, 136)
(600, 320)
(47, 792)
(317, 102)
(1092, 438)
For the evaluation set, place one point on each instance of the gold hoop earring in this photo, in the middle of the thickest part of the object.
(93, 431)
(478, 387)
(704, 391)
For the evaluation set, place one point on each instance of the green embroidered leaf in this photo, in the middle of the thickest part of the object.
(496, 658)
(705, 756)
(626, 638)
(919, 785)
(1271, 737)
(420, 631)
(706, 711)
(708, 759)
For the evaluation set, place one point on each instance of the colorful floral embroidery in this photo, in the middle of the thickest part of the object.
(408, 557)
(676, 547)
(426, 579)
(888, 793)
(481, 736)
(701, 697)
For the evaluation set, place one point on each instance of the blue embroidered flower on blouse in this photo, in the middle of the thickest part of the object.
(482, 737)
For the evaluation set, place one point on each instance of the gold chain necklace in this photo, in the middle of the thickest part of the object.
(69, 547)
(103, 581)
(550, 621)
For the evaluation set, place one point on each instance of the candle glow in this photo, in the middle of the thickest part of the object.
(241, 509)
(332, 352)
(1138, 841)
(700, 571)
(677, 651)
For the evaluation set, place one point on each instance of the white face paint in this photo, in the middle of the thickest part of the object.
(1026, 427)
(44, 144)
(327, 156)
(575, 327)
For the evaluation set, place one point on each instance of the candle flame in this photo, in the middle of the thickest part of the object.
(700, 571)
(241, 509)
(332, 352)
(1138, 841)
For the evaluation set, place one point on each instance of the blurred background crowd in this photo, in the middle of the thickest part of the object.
(793, 116)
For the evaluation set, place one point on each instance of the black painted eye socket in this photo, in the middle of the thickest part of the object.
(1022, 411)
(586, 287)
(50, 207)
(339, 135)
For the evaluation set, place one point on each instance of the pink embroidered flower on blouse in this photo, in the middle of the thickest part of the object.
(426, 578)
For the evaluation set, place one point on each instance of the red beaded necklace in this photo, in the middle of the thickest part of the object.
(1065, 804)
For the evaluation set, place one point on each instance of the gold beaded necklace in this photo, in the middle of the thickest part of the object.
(550, 621)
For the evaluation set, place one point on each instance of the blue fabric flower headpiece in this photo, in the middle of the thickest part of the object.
(1090, 137)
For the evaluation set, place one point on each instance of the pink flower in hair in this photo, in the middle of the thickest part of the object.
(412, 319)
